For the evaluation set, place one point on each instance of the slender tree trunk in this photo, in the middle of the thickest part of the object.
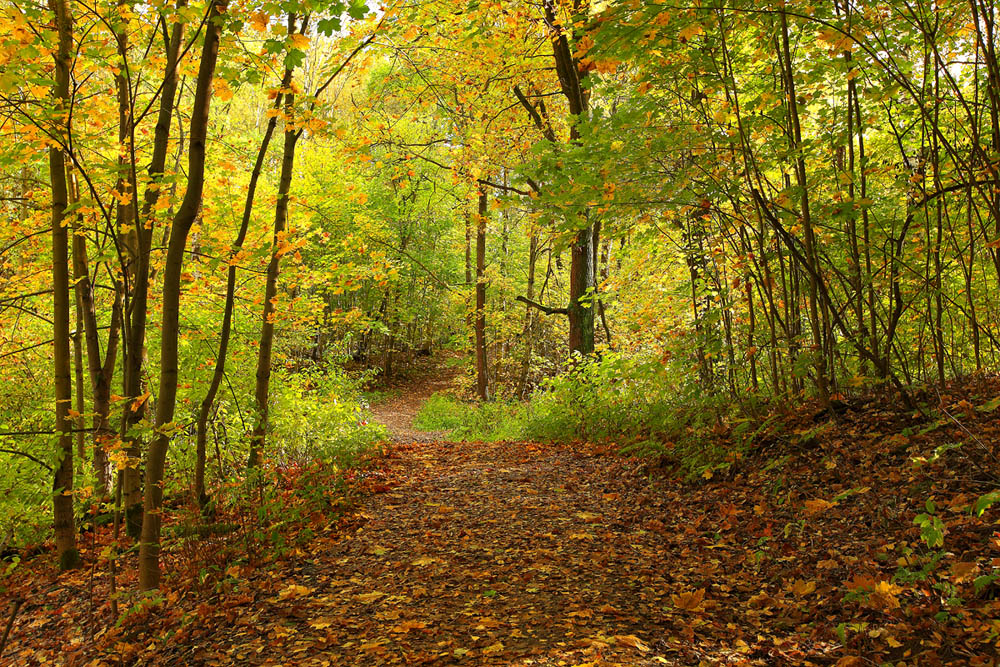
(62, 502)
(482, 384)
(132, 496)
(100, 372)
(149, 546)
(227, 318)
(81, 436)
(809, 241)
(522, 382)
(265, 348)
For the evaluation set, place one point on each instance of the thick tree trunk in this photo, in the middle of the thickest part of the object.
(582, 279)
(62, 502)
(149, 545)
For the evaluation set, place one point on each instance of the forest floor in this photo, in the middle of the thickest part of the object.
(537, 554)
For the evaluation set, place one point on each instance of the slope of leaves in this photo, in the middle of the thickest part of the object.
(803, 551)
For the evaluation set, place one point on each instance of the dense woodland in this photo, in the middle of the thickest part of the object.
(684, 232)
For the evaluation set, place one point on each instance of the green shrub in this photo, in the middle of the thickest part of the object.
(320, 414)
(441, 412)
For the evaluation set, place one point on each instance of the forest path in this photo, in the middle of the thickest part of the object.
(398, 409)
(471, 553)
(465, 553)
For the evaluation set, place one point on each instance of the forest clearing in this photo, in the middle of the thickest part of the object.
(544, 332)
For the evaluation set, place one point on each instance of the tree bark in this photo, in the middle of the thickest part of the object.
(149, 546)
(137, 309)
(227, 318)
(263, 384)
(62, 501)
(482, 382)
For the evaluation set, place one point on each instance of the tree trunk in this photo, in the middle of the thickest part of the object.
(227, 318)
(100, 372)
(816, 324)
(482, 385)
(136, 341)
(149, 546)
(262, 389)
(62, 501)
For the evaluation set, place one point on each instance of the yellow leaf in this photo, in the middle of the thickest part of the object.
(689, 601)
(802, 588)
(407, 626)
(320, 623)
(137, 403)
(368, 598)
(690, 31)
(633, 641)
(259, 21)
(294, 591)
(817, 505)
(496, 648)
(425, 560)
(300, 41)
(222, 90)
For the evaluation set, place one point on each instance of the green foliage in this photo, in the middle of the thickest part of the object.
(442, 412)
(320, 414)
(931, 527)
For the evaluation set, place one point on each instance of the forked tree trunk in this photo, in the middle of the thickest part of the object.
(136, 409)
(149, 545)
(62, 501)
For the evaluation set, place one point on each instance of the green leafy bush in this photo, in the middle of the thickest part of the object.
(320, 414)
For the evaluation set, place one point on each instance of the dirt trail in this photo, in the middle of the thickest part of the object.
(398, 410)
(463, 554)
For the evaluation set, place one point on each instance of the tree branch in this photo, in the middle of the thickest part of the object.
(545, 309)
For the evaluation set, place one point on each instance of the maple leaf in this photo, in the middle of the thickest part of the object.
(690, 601)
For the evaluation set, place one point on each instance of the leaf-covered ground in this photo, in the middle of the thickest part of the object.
(802, 552)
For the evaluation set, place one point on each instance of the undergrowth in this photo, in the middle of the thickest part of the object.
(634, 402)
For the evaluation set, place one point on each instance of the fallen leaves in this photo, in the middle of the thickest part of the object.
(294, 591)
(690, 601)
(503, 553)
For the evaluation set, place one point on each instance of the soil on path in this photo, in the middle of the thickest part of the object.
(397, 411)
